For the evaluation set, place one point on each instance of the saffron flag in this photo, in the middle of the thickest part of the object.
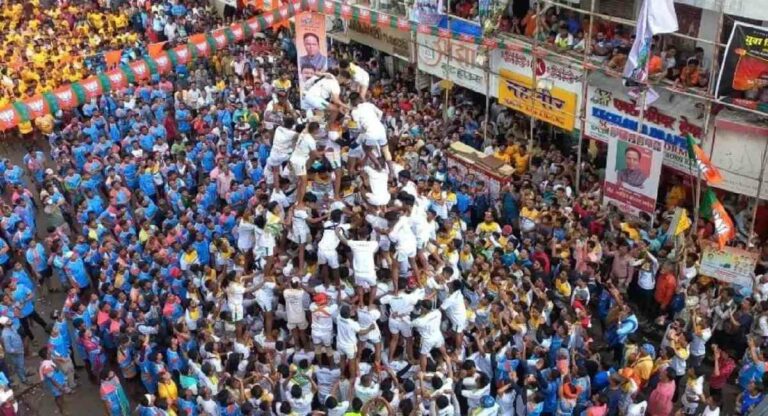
(703, 163)
(724, 228)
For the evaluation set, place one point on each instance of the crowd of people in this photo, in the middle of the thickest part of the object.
(230, 245)
(46, 43)
(609, 45)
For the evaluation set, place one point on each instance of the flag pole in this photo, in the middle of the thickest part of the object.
(584, 90)
(535, 87)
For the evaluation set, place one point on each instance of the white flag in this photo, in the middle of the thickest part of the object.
(655, 17)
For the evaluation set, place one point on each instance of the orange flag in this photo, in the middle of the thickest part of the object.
(112, 58)
(155, 49)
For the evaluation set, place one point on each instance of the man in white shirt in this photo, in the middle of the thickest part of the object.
(428, 325)
(378, 183)
(454, 307)
(304, 153)
(363, 263)
(373, 134)
(235, 292)
(323, 316)
(402, 235)
(283, 142)
(327, 256)
(357, 75)
(294, 310)
(322, 92)
(347, 331)
(401, 304)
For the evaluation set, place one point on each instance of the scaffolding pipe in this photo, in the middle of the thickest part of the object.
(707, 117)
(584, 92)
(533, 79)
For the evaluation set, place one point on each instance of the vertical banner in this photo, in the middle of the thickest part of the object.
(311, 45)
(744, 72)
(633, 171)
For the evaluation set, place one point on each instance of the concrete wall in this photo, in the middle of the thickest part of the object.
(753, 9)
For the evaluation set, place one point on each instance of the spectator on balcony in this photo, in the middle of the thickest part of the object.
(670, 63)
(573, 21)
(529, 23)
(465, 9)
(618, 59)
(690, 76)
(563, 39)
(601, 46)
(579, 43)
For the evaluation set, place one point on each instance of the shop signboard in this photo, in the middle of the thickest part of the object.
(453, 60)
(731, 264)
(390, 41)
(669, 119)
(632, 171)
(557, 98)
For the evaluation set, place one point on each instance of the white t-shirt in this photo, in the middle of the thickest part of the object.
(454, 307)
(302, 405)
(637, 409)
(402, 234)
(322, 318)
(346, 331)
(266, 294)
(246, 238)
(330, 241)
(378, 181)
(283, 141)
(324, 88)
(326, 378)
(293, 306)
(368, 117)
(429, 327)
(304, 147)
(402, 304)
(366, 393)
(340, 409)
(368, 317)
(359, 75)
(362, 258)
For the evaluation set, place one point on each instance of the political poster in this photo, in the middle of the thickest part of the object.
(633, 171)
(744, 73)
(731, 264)
(311, 45)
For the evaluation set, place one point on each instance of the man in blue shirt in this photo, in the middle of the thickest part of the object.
(14, 349)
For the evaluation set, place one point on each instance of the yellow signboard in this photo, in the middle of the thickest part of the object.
(556, 106)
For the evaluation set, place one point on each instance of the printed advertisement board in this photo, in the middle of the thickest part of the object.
(452, 60)
(669, 119)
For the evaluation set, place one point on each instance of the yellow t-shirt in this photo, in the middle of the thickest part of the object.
(488, 228)
(521, 163)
